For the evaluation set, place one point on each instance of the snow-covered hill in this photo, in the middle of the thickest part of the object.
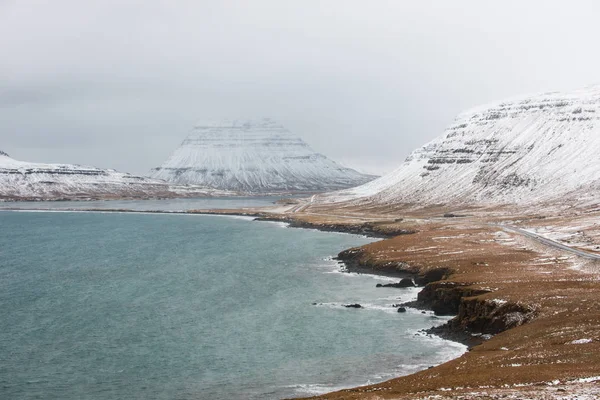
(253, 156)
(527, 150)
(32, 181)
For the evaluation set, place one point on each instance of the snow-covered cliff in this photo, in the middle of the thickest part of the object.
(527, 150)
(253, 156)
(33, 181)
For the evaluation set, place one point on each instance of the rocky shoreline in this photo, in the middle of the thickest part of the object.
(350, 259)
(427, 300)
(446, 302)
(526, 311)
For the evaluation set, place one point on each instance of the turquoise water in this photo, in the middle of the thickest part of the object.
(135, 306)
(146, 205)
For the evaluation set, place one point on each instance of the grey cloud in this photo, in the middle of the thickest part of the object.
(119, 83)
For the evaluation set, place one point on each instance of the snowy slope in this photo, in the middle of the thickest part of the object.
(32, 181)
(253, 156)
(527, 150)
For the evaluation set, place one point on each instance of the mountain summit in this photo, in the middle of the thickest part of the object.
(526, 150)
(253, 156)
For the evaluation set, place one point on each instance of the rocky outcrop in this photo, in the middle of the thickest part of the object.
(475, 312)
(359, 259)
(445, 297)
(356, 305)
(491, 316)
(471, 305)
(256, 157)
(404, 283)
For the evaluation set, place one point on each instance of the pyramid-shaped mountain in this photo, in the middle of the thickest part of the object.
(255, 157)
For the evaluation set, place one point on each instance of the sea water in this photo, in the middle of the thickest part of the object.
(184, 204)
(149, 306)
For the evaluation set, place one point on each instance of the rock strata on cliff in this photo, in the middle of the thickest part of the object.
(256, 157)
(532, 149)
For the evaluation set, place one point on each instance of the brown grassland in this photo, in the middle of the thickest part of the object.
(539, 304)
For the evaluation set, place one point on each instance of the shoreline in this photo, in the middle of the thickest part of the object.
(511, 290)
(350, 267)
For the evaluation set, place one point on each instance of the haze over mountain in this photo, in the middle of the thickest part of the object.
(365, 82)
(253, 156)
(526, 150)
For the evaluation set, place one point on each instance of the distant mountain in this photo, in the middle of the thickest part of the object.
(32, 181)
(527, 150)
(256, 157)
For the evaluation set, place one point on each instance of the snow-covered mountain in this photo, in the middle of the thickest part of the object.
(253, 156)
(33, 181)
(527, 150)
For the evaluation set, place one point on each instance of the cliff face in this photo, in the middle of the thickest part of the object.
(253, 156)
(526, 150)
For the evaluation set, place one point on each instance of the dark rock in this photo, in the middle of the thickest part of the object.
(452, 215)
(456, 334)
(404, 283)
(402, 310)
(433, 275)
(356, 305)
(407, 282)
(444, 297)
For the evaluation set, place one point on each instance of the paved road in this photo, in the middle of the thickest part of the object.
(552, 243)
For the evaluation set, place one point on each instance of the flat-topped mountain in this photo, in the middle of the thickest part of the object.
(527, 150)
(253, 156)
(21, 180)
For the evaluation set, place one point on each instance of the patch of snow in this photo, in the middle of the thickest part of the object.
(586, 380)
(582, 341)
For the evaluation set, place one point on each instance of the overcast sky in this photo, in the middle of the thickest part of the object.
(118, 83)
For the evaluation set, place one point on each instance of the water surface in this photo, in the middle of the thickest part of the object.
(136, 306)
(184, 204)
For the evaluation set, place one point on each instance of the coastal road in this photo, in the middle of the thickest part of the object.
(301, 207)
(551, 243)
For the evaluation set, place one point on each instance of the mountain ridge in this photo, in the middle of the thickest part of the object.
(20, 180)
(530, 149)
